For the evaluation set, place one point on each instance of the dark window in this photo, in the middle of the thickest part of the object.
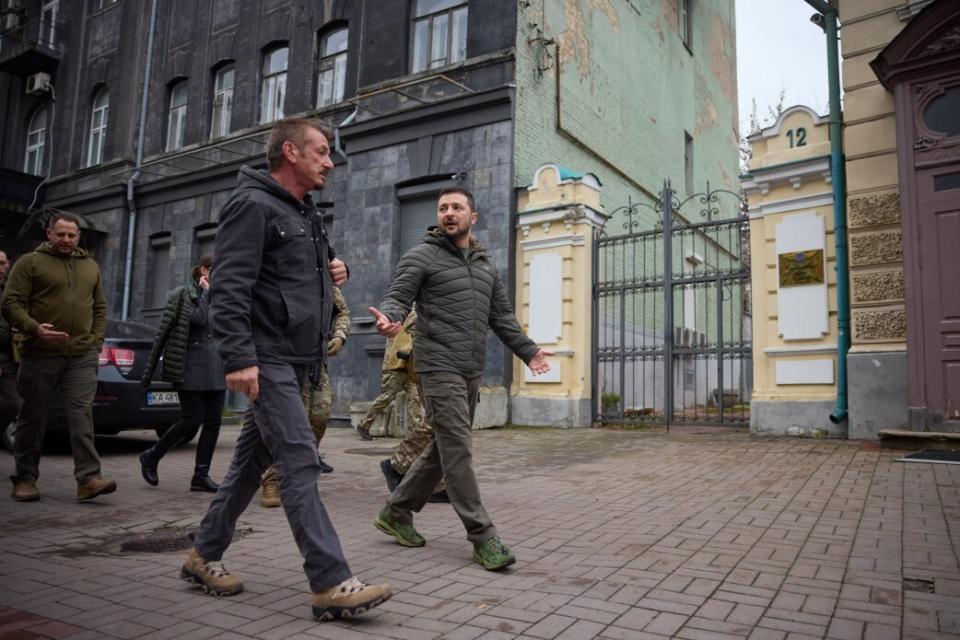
(98, 127)
(439, 33)
(946, 181)
(222, 101)
(273, 90)
(160, 259)
(417, 214)
(176, 115)
(943, 113)
(206, 237)
(36, 151)
(332, 68)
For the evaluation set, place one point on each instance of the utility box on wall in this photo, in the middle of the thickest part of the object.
(789, 189)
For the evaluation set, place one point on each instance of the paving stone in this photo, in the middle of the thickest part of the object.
(775, 538)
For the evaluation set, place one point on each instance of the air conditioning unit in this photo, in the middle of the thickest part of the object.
(38, 84)
(9, 21)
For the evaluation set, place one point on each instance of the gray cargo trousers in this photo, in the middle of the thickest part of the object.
(276, 431)
(449, 400)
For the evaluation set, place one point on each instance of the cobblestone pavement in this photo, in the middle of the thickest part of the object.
(620, 535)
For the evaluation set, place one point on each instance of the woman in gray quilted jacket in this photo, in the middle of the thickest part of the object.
(192, 364)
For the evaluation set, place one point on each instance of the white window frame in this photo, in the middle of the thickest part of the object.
(35, 156)
(177, 115)
(222, 106)
(48, 22)
(439, 38)
(332, 69)
(273, 87)
(99, 116)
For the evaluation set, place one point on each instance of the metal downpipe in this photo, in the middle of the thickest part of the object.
(131, 201)
(838, 177)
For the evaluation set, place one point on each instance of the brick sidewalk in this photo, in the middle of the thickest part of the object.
(618, 535)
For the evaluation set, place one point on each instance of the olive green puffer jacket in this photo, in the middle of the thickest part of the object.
(459, 296)
(172, 336)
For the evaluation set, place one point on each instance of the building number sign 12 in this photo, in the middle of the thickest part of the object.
(797, 137)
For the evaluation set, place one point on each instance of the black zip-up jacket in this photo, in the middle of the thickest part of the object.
(271, 297)
(459, 296)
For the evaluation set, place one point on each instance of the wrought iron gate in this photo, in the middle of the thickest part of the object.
(672, 321)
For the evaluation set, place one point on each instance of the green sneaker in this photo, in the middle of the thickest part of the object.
(492, 554)
(403, 533)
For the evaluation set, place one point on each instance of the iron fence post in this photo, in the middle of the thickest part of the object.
(666, 198)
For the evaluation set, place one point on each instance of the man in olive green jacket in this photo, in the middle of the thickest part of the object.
(54, 299)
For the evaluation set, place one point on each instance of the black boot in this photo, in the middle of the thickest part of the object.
(148, 467)
(324, 467)
(201, 480)
(439, 496)
(393, 478)
(201, 472)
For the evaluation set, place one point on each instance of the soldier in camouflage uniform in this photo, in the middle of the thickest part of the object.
(397, 375)
(317, 399)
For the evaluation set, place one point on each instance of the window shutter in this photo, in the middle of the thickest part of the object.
(416, 216)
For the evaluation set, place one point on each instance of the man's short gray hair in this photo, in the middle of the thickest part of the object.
(290, 130)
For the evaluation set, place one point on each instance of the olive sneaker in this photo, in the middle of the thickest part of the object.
(403, 533)
(492, 554)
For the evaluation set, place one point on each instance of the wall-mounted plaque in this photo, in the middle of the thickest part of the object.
(801, 267)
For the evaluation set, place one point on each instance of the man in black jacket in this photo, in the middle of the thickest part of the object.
(271, 303)
(459, 296)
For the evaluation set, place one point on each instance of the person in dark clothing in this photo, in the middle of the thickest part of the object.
(459, 296)
(271, 306)
(192, 364)
(9, 398)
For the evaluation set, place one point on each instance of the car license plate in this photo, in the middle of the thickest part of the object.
(155, 398)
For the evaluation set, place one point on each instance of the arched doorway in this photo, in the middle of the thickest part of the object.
(921, 65)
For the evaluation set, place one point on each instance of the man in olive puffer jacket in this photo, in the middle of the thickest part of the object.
(459, 296)
(54, 298)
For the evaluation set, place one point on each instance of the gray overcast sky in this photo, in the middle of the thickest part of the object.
(778, 48)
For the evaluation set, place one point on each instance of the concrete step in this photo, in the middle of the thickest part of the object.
(917, 440)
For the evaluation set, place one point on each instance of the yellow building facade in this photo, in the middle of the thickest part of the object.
(789, 192)
(558, 217)
(901, 140)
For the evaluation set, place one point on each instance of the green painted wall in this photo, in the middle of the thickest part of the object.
(628, 89)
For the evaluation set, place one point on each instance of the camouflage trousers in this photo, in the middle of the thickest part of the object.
(392, 382)
(419, 433)
(317, 402)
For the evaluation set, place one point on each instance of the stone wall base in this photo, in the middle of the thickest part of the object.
(794, 418)
(551, 412)
(877, 390)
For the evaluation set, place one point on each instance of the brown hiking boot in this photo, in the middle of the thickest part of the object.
(211, 577)
(348, 599)
(25, 491)
(95, 486)
(270, 494)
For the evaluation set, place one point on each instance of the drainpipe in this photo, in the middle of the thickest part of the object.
(827, 18)
(131, 202)
(336, 132)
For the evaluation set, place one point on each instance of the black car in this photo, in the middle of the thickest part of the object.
(121, 403)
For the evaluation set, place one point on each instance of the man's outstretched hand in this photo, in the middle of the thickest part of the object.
(538, 363)
(384, 326)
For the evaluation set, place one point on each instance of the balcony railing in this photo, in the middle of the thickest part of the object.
(30, 47)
